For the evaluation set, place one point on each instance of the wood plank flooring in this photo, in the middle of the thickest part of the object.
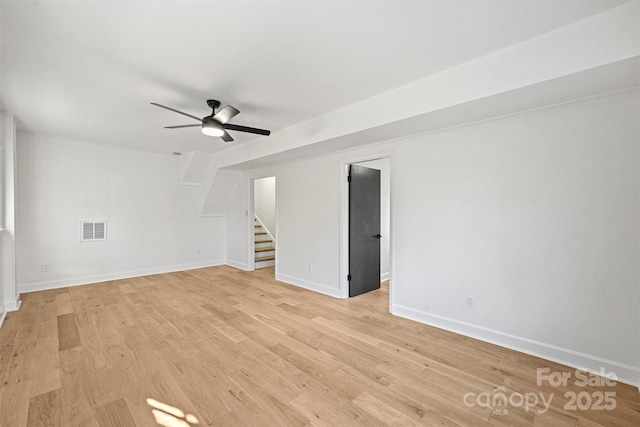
(224, 347)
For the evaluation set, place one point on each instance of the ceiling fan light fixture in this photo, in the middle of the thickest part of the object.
(212, 127)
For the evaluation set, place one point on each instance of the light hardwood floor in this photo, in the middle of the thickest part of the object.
(224, 347)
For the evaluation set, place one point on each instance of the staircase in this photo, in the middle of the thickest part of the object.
(265, 248)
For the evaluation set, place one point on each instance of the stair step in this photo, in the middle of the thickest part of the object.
(265, 258)
(260, 233)
(265, 249)
(264, 241)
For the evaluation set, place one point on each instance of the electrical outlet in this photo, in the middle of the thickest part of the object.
(309, 268)
(471, 301)
(44, 268)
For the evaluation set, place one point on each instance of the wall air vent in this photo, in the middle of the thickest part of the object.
(92, 231)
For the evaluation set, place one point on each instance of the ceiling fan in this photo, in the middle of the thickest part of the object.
(216, 123)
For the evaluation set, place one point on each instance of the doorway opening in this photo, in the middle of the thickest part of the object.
(263, 223)
(382, 164)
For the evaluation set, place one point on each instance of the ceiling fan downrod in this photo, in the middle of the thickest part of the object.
(213, 104)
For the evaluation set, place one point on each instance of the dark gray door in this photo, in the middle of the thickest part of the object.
(364, 230)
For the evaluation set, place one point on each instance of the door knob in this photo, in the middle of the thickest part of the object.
(378, 235)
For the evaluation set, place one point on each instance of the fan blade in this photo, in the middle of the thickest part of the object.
(176, 111)
(226, 114)
(247, 129)
(183, 126)
(226, 137)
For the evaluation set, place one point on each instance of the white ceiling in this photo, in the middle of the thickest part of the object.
(88, 70)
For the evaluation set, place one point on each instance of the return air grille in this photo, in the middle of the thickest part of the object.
(92, 231)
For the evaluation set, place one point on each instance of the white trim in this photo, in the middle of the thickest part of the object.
(86, 280)
(384, 276)
(6, 307)
(13, 305)
(3, 314)
(316, 287)
(626, 373)
(8, 280)
(238, 265)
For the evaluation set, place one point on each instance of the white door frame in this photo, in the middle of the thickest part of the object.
(344, 220)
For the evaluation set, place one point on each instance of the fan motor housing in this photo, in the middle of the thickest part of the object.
(212, 127)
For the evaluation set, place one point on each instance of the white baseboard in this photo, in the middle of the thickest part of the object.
(384, 276)
(625, 373)
(238, 265)
(316, 287)
(13, 305)
(3, 314)
(87, 280)
(6, 307)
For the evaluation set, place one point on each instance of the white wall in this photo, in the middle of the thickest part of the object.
(308, 217)
(265, 202)
(309, 224)
(535, 215)
(239, 227)
(154, 223)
